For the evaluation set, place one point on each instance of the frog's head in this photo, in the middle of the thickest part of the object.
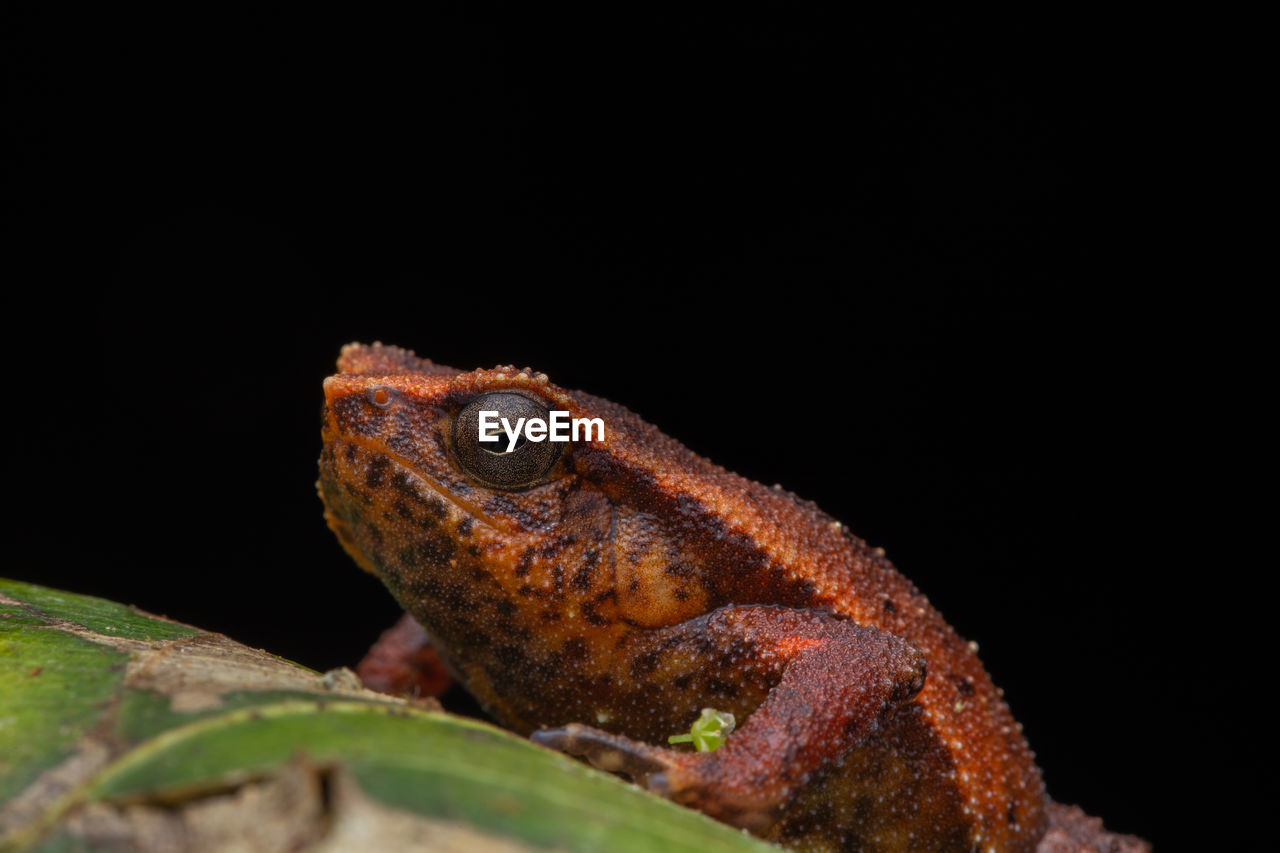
(545, 536)
(412, 493)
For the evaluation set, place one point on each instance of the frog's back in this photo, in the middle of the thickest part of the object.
(954, 757)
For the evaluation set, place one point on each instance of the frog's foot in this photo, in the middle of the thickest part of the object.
(402, 663)
(613, 753)
(690, 779)
(1073, 831)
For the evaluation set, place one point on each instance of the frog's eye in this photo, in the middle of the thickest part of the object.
(498, 464)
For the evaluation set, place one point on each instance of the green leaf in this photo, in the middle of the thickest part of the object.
(118, 724)
(55, 687)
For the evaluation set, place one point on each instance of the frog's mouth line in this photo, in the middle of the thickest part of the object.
(430, 483)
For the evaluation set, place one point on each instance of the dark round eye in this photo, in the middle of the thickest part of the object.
(490, 462)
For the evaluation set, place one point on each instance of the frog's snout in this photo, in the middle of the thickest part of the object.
(355, 405)
(339, 388)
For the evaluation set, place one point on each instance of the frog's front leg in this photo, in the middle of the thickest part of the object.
(837, 681)
(403, 663)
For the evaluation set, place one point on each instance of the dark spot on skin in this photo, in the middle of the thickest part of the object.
(589, 609)
(689, 506)
(644, 664)
(402, 509)
(524, 563)
(556, 547)
(590, 558)
(582, 577)
(464, 526)
(506, 608)
(403, 439)
(401, 483)
(634, 585)
(890, 607)
(822, 816)
(575, 649)
(557, 577)
(722, 688)
(510, 656)
(475, 640)
(963, 685)
(752, 571)
(805, 589)
(547, 670)
(437, 549)
(447, 594)
(682, 682)
(527, 515)
(679, 570)
(351, 453)
(473, 550)
(526, 591)
(435, 506)
(1012, 816)
(377, 472)
(741, 649)
(682, 595)
(549, 616)
(409, 558)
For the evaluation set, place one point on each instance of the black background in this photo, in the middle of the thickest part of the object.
(870, 258)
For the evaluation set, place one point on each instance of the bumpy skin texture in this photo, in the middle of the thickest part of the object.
(639, 583)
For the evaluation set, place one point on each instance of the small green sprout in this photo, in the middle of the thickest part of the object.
(708, 731)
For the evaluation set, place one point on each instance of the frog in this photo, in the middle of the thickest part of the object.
(597, 595)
